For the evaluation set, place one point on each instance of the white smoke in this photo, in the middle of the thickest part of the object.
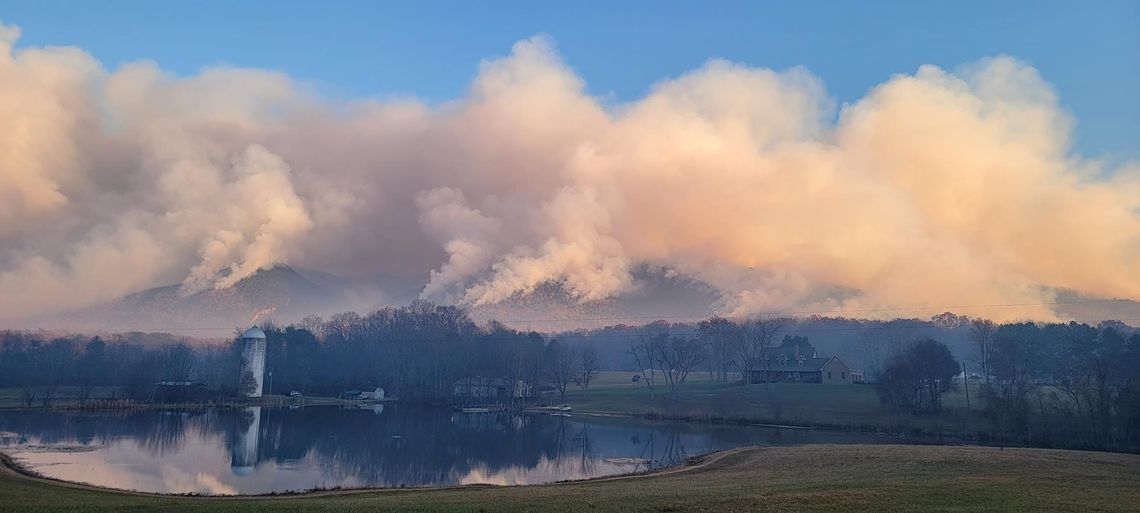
(937, 188)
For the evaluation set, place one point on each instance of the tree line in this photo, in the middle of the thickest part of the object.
(1049, 383)
(416, 352)
(1062, 383)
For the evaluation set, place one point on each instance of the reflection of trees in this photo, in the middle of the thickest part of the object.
(158, 433)
(669, 451)
(407, 444)
(166, 434)
(674, 452)
(410, 446)
(642, 456)
(587, 463)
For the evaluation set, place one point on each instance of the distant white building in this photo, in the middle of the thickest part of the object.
(253, 359)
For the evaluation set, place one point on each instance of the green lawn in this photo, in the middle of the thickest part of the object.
(808, 478)
(64, 396)
(776, 403)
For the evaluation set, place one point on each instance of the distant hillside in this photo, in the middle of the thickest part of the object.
(281, 292)
(550, 308)
(288, 294)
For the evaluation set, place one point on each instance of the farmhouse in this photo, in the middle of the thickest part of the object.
(788, 365)
(491, 388)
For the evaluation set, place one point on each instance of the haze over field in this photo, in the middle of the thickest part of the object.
(939, 187)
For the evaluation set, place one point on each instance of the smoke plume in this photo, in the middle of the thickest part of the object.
(936, 188)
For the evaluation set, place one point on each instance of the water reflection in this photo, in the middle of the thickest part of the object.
(247, 432)
(256, 450)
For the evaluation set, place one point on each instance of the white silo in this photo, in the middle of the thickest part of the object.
(253, 359)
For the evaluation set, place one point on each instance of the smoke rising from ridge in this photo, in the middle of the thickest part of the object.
(936, 188)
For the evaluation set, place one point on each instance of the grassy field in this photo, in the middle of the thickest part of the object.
(776, 403)
(64, 396)
(807, 478)
(68, 397)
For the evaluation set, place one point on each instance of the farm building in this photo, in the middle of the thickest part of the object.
(802, 370)
(491, 388)
(253, 361)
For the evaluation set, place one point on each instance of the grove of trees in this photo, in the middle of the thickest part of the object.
(915, 379)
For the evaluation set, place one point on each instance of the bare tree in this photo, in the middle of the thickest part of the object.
(178, 363)
(982, 333)
(313, 324)
(561, 364)
(882, 340)
(898, 333)
(48, 394)
(587, 368)
(677, 356)
(757, 339)
(873, 347)
(643, 349)
(721, 336)
(248, 384)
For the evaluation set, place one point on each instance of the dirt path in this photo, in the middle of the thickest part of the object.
(9, 469)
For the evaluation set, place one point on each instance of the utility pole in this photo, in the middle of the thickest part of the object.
(966, 385)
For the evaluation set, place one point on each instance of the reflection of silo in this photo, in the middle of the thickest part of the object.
(252, 360)
(243, 454)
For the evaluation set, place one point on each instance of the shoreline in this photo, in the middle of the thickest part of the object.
(973, 438)
(900, 432)
(11, 468)
(874, 478)
(272, 402)
(963, 437)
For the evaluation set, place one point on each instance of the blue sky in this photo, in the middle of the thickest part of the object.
(1090, 51)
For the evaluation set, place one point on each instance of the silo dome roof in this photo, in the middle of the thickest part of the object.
(253, 332)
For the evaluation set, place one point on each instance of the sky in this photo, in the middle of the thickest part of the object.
(852, 158)
(1089, 51)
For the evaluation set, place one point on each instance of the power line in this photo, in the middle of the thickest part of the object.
(786, 313)
(837, 311)
(571, 334)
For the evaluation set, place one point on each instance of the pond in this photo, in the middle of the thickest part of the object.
(255, 450)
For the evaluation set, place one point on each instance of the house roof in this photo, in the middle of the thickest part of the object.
(789, 352)
(482, 382)
(809, 364)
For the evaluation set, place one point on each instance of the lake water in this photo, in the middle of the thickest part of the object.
(262, 450)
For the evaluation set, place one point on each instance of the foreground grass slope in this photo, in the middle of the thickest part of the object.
(808, 478)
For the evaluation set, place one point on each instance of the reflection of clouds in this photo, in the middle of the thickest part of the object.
(180, 481)
(331, 447)
(215, 486)
(201, 466)
(547, 470)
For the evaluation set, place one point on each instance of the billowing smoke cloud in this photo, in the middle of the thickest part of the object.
(936, 188)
